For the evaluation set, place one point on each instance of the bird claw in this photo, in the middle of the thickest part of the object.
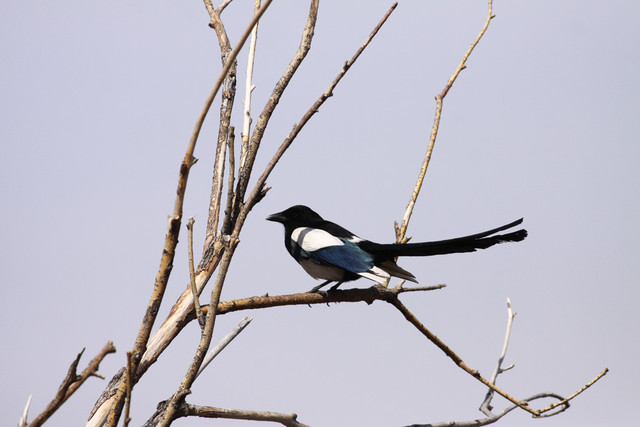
(317, 291)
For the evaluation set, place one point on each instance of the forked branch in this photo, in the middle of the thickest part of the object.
(523, 404)
(486, 407)
(71, 382)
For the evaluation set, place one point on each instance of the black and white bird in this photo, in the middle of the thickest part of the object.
(329, 252)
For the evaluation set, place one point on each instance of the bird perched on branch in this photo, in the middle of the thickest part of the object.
(332, 253)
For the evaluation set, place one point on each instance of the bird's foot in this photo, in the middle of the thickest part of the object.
(320, 292)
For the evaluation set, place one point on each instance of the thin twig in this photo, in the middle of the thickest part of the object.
(22, 422)
(401, 230)
(486, 407)
(224, 342)
(192, 275)
(490, 419)
(423, 288)
(223, 5)
(542, 412)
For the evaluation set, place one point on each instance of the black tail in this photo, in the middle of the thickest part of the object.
(461, 244)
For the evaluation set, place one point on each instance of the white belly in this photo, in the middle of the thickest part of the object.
(323, 272)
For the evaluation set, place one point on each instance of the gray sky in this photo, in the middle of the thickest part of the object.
(98, 101)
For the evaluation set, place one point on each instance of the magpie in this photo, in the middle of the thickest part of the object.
(332, 253)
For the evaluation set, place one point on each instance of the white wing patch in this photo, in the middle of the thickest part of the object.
(312, 239)
(376, 274)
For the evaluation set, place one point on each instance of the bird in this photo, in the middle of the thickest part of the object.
(327, 251)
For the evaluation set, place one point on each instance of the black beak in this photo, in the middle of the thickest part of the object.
(277, 217)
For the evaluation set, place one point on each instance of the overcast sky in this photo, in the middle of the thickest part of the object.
(98, 100)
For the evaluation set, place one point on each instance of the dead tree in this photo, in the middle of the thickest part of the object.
(228, 211)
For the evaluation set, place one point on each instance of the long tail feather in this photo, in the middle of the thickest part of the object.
(469, 243)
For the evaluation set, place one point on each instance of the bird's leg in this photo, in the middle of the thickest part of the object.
(334, 287)
(317, 288)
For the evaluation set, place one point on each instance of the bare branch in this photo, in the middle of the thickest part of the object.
(454, 357)
(192, 275)
(22, 422)
(224, 342)
(366, 295)
(565, 402)
(422, 288)
(216, 186)
(226, 108)
(174, 324)
(230, 192)
(208, 4)
(486, 407)
(127, 399)
(490, 419)
(223, 5)
(188, 410)
(91, 370)
(401, 230)
(524, 404)
(59, 398)
(289, 420)
(72, 381)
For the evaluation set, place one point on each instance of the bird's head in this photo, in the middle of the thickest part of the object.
(297, 216)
